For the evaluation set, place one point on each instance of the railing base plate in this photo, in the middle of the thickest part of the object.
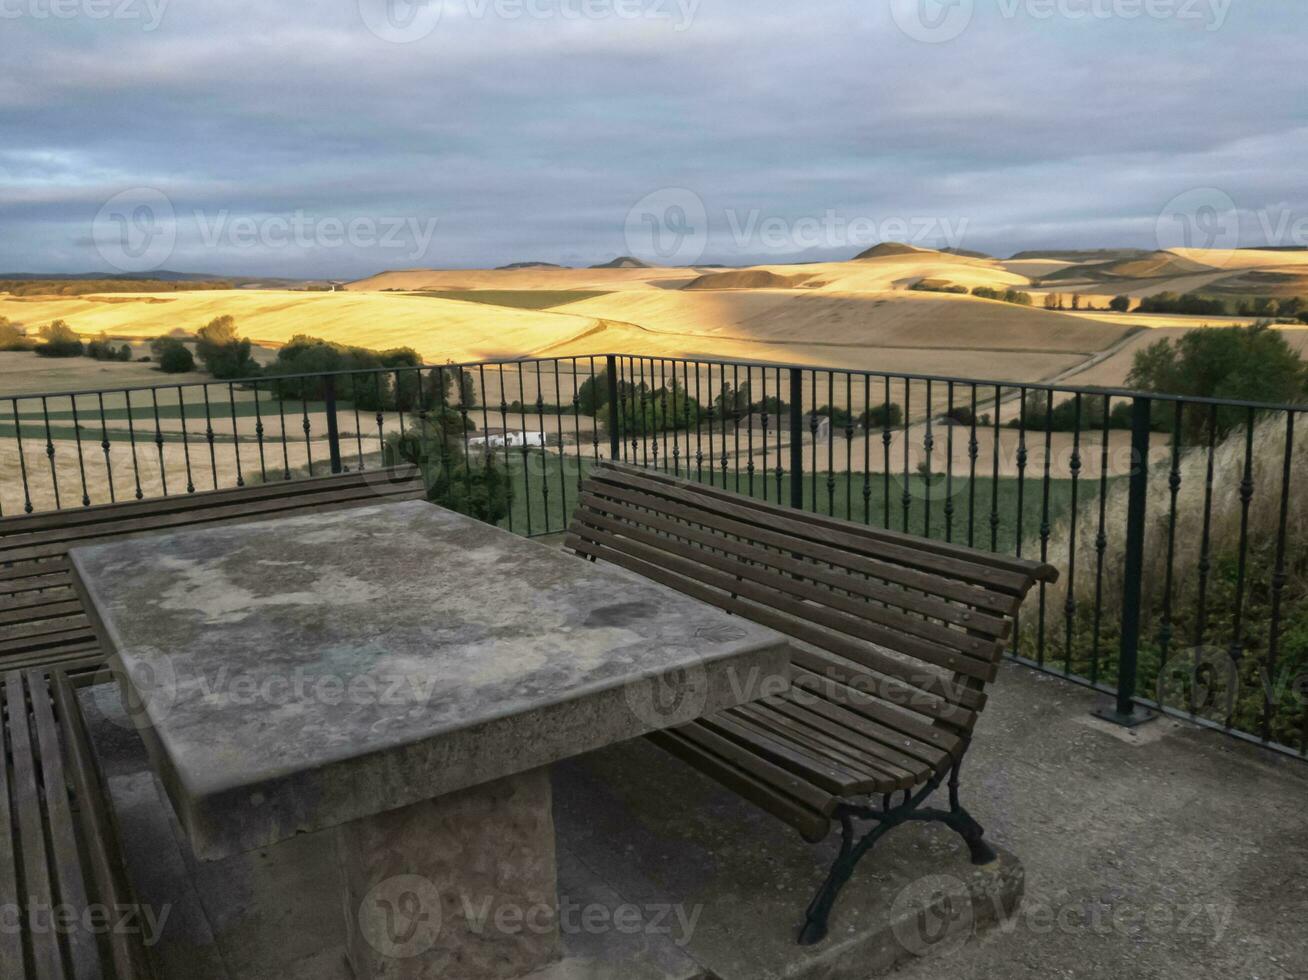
(1134, 719)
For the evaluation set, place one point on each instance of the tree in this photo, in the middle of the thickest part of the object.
(1243, 363)
(223, 353)
(1120, 304)
(60, 341)
(473, 483)
(174, 357)
(1052, 301)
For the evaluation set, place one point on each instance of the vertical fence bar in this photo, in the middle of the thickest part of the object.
(615, 410)
(796, 438)
(1279, 577)
(333, 424)
(1124, 711)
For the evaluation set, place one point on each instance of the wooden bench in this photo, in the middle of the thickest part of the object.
(67, 908)
(41, 616)
(895, 638)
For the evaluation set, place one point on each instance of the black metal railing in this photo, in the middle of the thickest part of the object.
(1174, 521)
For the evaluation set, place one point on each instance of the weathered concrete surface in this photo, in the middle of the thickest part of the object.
(1175, 821)
(1174, 854)
(425, 885)
(302, 673)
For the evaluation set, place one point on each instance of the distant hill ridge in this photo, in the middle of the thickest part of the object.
(623, 262)
(890, 248)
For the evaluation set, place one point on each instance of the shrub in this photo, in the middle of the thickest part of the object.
(102, 349)
(665, 409)
(882, 416)
(59, 341)
(473, 483)
(937, 286)
(1120, 304)
(1014, 296)
(381, 391)
(173, 356)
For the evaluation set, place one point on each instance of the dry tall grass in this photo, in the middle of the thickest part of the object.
(1199, 615)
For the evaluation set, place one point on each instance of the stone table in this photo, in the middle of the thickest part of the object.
(400, 676)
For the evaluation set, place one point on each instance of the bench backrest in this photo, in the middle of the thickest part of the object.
(914, 622)
(41, 616)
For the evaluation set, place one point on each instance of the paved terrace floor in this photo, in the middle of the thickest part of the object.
(1171, 853)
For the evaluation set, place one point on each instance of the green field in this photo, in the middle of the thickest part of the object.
(545, 492)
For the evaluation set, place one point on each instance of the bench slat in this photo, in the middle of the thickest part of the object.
(54, 608)
(910, 578)
(865, 735)
(839, 533)
(127, 954)
(951, 649)
(904, 729)
(12, 960)
(59, 545)
(82, 944)
(1023, 566)
(85, 516)
(46, 960)
(928, 606)
(38, 597)
(804, 807)
(44, 641)
(856, 650)
(883, 776)
(31, 569)
(823, 771)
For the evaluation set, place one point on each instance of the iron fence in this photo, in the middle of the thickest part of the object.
(1174, 521)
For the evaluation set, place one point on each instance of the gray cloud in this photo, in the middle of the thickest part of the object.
(531, 136)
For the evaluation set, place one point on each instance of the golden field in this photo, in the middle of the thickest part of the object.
(859, 314)
(854, 314)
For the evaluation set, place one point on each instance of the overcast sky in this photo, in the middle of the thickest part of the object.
(337, 138)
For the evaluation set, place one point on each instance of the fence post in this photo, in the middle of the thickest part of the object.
(333, 429)
(1124, 711)
(615, 434)
(797, 438)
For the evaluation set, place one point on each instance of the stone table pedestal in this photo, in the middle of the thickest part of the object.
(460, 886)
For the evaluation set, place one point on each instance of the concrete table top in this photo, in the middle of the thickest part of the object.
(297, 674)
